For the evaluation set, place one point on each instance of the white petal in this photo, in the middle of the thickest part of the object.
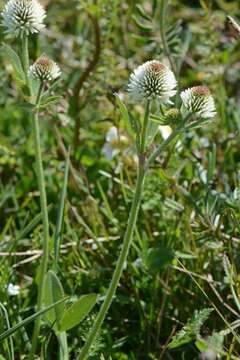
(165, 131)
(13, 290)
(109, 152)
(112, 134)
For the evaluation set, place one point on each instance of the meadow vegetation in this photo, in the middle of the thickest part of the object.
(72, 132)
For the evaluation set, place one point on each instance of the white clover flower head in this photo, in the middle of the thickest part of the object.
(13, 290)
(152, 80)
(44, 69)
(199, 100)
(23, 15)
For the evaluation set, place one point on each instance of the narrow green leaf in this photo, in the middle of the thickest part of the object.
(132, 125)
(29, 319)
(49, 101)
(142, 25)
(53, 292)
(14, 60)
(78, 311)
(26, 106)
(142, 12)
(57, 236)
(123, 110)
(211, 164)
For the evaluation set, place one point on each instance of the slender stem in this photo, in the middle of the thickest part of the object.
(63, 347)
(163, 4)
(25, 55)
(142, 170)
(57, 237)
(120, 264)
(126, 242)
(145, 127)
(25, 58)
(44, 211)
(162, 146)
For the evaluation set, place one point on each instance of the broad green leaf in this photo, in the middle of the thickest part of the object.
(15, 61)
(157, 258)
(77, 312)
(53, 292)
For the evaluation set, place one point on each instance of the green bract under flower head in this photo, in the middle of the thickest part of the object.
(23, 16)
(44, 69)
(199, 100)
(152, 80)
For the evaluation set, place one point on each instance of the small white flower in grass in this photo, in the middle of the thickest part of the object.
(109, 149)
(13, 290)
(23, 15)
(199, 100)
(165, 131)
(152, 80)
(44, 69)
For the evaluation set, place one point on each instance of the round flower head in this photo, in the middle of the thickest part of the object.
(199, 100)
(23, 15)
(152, 80)
(44, 69)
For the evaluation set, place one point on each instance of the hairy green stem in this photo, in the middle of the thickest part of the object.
(44, 211)
(120, 264)
(162, 146)
(126, 242)
(142, 170)
(145, 127)
(25, 58)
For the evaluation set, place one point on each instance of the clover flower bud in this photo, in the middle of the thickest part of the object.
(199, 100)
(152, 80)
(172, 116)
(23, 16)
(44, 69)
